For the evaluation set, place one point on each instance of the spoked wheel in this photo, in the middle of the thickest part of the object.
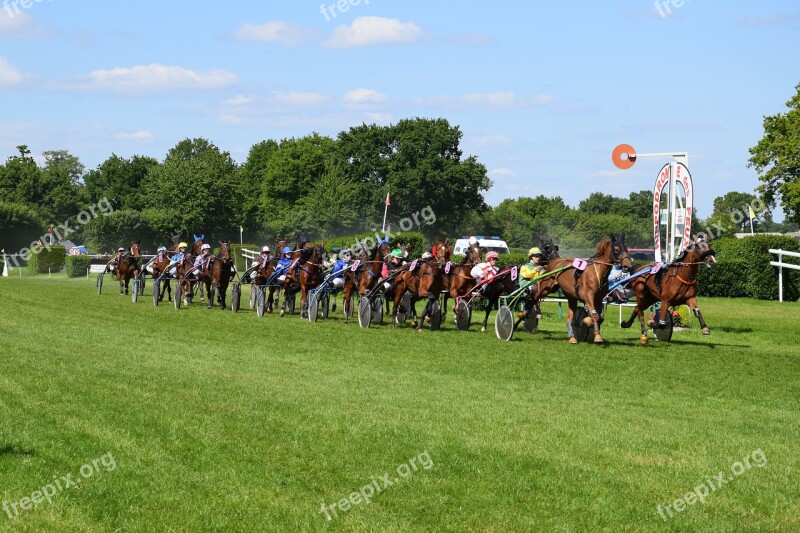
(364, 312)
(236, 295)
(504, 323)
(582, 332)
(463, 315)
(436, 315)
(177, 295)
(156, 291)
(261, 301)
(404, 313)
(326, 304)
(142, 284)
(99, 283)
(253, 296)
(135, 291)
(313, 307)
(378, 310)
(664, 334)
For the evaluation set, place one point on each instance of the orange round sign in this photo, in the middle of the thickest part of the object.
(629, 154)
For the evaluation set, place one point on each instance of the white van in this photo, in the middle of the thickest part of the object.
(487, 244)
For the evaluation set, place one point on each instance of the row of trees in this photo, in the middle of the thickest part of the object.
(328, 187)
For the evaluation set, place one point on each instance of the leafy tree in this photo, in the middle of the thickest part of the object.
(21, 180)
(19, 226)
(776, 159)
(731, 214)
(62, 177)
(331, 208)
(252, 174)
(199, 189)
(118, 228)
(120, 181)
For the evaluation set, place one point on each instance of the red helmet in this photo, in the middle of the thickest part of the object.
(492, 255)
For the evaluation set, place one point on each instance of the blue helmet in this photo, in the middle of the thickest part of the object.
(287, 250)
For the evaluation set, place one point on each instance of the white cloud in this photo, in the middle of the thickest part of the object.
(358, 97)
(239, 99)
(502, 171)
(137, 136)
(275, 32)
(301, 98)
(19, 25)
(9, 75)
(154, 77)
(368, 31)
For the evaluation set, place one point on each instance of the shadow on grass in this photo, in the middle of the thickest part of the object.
(13, 449)
(728, 329)
(710, 345)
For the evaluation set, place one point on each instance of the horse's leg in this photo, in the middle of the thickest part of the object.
(118, 273)
(426, 312)
(207, 282)
(492, 303)
(573, 307)
(692, 303)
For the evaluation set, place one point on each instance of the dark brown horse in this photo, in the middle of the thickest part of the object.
(422, 279)
(218, 272)
(457, 278)
(310, 273)
(127, 267)
(673, 284)
(586, 281)
(368, 271)
(160, 264)
(186, 277)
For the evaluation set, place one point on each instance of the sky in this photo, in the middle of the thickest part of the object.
(542, 91)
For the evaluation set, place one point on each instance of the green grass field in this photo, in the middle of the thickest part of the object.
(216, 421)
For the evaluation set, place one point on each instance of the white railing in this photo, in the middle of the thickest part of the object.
(250, 255)
(781, 265)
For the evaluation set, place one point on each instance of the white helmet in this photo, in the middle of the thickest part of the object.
(205, 247)
(427, 255)
(473, 241)
(162, 248)
(265, 250)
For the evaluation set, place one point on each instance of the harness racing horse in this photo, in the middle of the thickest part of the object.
(310, 273)
(531, 305)
(457, 278)
(586, 281)
(422, 279)
(127, 267)
(673, 284)
(368, 271)
(160, 264)
(217, 274)
(186, 281)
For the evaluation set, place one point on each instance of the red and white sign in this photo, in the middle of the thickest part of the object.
(673, 184)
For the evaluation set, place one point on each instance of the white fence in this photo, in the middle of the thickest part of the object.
(781, 265)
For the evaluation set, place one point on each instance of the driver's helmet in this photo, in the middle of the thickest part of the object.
(534, 251)
(427, 255)
(120, 249)
(205, 247)
(287, 250)
(345, 253)
(183, 246)
(397, 253)
(161, 249)
(265, 250)
(492, 255)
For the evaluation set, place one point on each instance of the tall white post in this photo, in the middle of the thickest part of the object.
(780, 278)
(6, 266)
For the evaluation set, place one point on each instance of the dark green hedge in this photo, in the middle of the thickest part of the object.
(418, 243)
(45, 261)
(743, 269)
(238, 260)
(77, 265)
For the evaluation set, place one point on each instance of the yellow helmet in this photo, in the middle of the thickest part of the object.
(534, 251)
(183, 245)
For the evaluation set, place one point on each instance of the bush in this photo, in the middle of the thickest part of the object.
(51, 260)
(743, 269)
(19, 226)
(418, 243)
(77, 265)
(241, 262)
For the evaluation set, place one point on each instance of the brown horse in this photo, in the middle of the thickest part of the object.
(160, 264)
(127, 267)
(673, 284)
(586, 281)
(310, 273)
(217, 273)
(186, 281)
(369, 271)
(423, 281)
(457, 279)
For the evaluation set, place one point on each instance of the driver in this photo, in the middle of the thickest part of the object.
(340, 266)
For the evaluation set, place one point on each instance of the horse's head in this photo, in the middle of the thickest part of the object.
(301, 242)
(441, 251)
(225, 250)
(135, 248)
(616, 252)
(549, 249)
(700, 251)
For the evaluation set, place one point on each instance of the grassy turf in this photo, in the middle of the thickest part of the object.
(219, 421)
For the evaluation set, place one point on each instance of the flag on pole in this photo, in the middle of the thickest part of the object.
(752, 216)
(388, 202)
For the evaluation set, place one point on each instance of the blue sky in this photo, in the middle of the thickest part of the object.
(542, 91)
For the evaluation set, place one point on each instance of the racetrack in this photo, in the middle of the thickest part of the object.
(231, 422)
